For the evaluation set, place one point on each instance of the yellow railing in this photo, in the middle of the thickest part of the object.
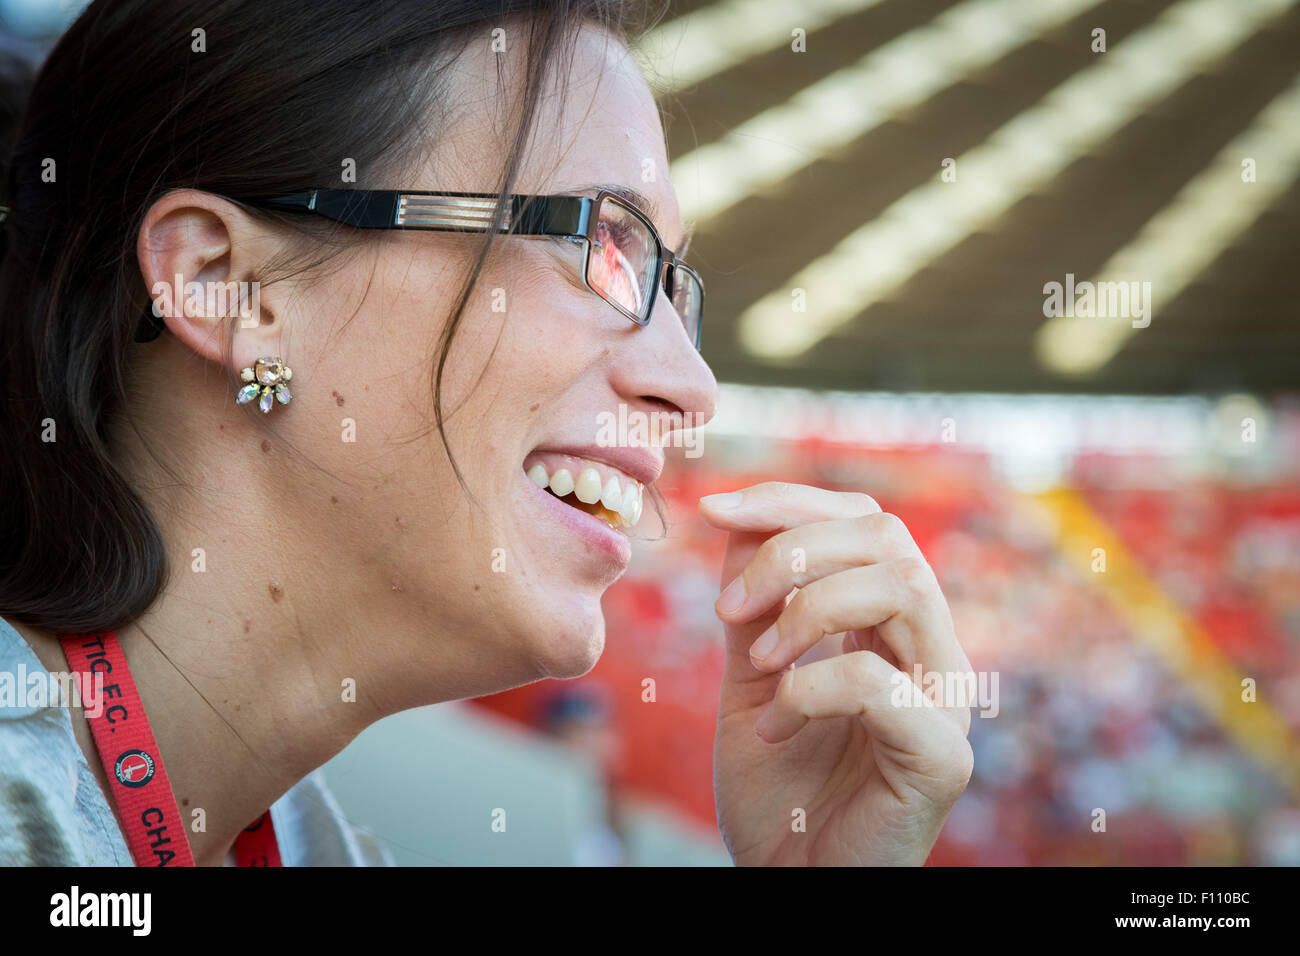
(1179, 640)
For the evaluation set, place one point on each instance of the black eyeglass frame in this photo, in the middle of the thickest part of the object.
(569, 217)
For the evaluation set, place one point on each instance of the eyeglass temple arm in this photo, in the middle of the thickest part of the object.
(454, 212)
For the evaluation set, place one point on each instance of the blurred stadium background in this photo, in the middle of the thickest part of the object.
(922, 369)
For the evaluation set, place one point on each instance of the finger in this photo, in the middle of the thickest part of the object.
(738, 670)
(959, 690)
(917, 736)
(797, 557)
(861, 683)
(901, 598)
(741, 548)
(867, 639)
(778, 506)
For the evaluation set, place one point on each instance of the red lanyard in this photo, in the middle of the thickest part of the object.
(137, 781)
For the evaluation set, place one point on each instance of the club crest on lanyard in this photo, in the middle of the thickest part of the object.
(134, 768)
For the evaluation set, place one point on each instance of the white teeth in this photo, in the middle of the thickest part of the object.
(587, 487)
(612, 496)
(562, 482)
(631, 501)
(624, 501)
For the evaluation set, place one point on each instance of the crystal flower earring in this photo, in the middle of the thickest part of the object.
(266, 379)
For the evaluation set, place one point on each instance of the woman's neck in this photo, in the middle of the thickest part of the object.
(241, 708)
(278, 637)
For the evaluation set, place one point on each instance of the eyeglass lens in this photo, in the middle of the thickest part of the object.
(622, 266)
(688, 299)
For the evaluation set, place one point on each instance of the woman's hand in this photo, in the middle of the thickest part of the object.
(873, 763)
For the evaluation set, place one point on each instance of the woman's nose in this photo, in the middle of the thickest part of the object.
(661, 365)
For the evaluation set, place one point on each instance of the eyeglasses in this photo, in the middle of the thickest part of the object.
(626, 261)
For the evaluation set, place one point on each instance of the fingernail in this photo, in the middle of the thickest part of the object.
(732, 598)
(765, 644)
(724, 502)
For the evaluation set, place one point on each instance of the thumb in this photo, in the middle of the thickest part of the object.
(741, 547)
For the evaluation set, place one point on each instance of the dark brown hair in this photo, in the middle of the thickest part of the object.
(125, 109)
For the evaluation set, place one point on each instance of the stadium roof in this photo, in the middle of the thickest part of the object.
(823, 171)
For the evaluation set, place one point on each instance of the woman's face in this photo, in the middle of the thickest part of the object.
(510, 579)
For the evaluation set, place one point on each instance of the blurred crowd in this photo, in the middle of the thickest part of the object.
(1098, 753)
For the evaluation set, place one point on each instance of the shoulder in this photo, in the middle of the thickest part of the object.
(313, 830)
(52, 812)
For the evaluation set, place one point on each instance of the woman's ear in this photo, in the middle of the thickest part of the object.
(201, 256)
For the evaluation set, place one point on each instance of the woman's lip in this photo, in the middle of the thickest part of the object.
(639, 464)
(595, 533)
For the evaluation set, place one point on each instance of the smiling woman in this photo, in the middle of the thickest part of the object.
(432, 517)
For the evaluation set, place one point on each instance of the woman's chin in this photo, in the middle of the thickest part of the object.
(569, 640)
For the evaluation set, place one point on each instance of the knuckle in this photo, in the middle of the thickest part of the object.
(962, 762)
(866, 524)
(950, 762)
(864, 667)
(864, 502)
(891, 528)
(915, 576)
